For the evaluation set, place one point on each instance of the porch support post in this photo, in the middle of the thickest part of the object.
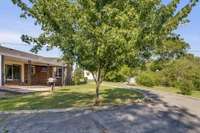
(1, 70)
(29, 73)
(22, 73)
(48, 71)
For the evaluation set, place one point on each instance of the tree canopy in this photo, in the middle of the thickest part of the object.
(101, 35)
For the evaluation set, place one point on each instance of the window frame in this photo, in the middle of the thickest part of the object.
(58, 73)
(12, 72)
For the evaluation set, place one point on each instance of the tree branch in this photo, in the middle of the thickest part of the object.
(94, 77)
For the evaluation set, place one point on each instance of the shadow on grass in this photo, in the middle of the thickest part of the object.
(153, 116)
(66, 98)
(120, 96)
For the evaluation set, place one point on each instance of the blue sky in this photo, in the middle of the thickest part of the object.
(12, 27)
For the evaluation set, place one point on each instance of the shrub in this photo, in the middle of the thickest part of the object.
(168, 76)
(156, 65)
(78, 77)
(185, 87)
(148, 79)
(183, 73)
(197, 84)
(85, 80)
(186, 68)
(196, 81)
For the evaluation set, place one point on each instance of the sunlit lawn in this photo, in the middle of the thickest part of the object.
(73, 96)
(195, 94)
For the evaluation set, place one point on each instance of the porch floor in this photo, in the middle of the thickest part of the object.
(25, 89)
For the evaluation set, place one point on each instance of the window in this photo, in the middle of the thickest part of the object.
(13, 72)
(9, 73)
(58, 72)
(16, 72)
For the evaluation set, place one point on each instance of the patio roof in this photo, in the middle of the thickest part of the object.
(28, 56)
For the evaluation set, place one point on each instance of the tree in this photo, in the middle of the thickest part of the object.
(173, 48)
(167, 52)
(122, 74)
(102, 35)
(181, 70)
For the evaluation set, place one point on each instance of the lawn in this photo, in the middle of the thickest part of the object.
(195, 94)
(72, 96)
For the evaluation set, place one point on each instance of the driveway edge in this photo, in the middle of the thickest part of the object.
(95, 108)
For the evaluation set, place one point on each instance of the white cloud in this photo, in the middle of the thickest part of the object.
(12, 37)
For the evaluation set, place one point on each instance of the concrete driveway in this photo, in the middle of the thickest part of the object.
(188, 103)
(161, 114)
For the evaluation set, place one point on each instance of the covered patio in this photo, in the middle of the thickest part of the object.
(21, 70)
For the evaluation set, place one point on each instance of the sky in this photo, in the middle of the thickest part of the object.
(12, 27)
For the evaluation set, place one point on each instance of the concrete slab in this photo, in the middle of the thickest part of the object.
(25, 89)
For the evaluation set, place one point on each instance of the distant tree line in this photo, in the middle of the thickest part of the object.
(182, 73)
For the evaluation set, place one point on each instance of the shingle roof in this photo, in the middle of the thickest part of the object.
(28, 56)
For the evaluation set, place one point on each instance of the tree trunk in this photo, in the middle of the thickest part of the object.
(97, 101)
(98, 83)
(69, 74)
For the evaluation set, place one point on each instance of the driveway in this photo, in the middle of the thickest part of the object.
(161, 113)
(192, 105)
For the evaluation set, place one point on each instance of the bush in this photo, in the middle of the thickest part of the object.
(156, 66)
(148, 79)
(196, 81)
(183, 73)
(185, 87)
(169, 76)
(78, 77)
(196, 84)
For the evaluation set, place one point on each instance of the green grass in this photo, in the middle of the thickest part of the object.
(195, 94)
(72, 96)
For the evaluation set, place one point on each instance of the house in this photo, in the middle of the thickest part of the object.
(21, 68)
(88, 75)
